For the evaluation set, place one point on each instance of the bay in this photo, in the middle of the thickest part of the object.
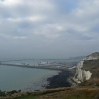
(25, 79)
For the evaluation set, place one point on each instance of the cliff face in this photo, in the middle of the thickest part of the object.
(81, 74)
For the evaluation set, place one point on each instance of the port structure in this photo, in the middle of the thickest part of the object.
(59, 68)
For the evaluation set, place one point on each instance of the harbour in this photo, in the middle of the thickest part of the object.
(27, 75)
(37, 67)
(44, 64)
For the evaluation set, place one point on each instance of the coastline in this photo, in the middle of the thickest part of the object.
(60, 80)
(40, 84)
(55, 80)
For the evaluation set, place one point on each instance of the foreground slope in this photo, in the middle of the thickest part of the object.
(60, 93)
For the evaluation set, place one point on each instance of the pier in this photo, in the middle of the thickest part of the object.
(36, 67)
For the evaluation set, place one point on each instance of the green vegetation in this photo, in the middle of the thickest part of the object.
(29, 97)
(60, 93)
(93, 67)
(77, 93)
(8, 93)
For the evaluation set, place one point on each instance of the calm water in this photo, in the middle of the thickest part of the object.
(16, 78)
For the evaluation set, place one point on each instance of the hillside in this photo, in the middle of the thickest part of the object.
(87, 72)
(60, 93)
(76, 58)
(87, 68)
(93, 67)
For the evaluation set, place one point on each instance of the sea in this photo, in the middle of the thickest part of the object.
(24, 79)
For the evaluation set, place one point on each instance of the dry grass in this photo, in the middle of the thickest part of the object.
(93, 67)
(77, 93)
(60, 93)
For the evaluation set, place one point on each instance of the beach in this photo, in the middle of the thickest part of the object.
(59, 80)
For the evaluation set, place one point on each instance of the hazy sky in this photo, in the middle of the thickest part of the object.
(48, 28)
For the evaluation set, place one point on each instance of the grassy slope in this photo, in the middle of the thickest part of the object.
(93, 67)
(64, 93)
(29, 97)
(78, 93)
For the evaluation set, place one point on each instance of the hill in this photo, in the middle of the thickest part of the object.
(87, 72)
(93, 67)
(76, 58)
(60, 93)
(87, 68)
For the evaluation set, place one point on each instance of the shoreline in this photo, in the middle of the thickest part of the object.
(57, 80)
(60, 80)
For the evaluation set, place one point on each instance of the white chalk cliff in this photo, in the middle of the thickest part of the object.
(82, 75)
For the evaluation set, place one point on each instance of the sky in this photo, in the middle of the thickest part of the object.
(56, 29)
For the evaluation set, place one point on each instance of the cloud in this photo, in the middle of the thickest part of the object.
(83, 18)
(22, 15)
(66, 25)
(80, 18)
(49, 30)
(10, 2)
(12, 37)
(31, 19)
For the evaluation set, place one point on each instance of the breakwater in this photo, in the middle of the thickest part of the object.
(37, 67)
